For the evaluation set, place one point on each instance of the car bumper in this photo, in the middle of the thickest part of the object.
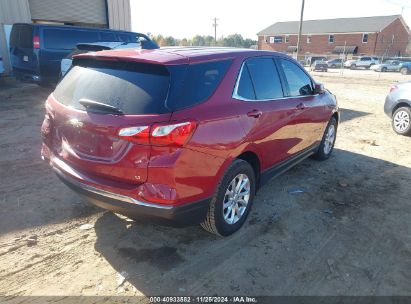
(173, 215)
(27, 76)
(389, 105)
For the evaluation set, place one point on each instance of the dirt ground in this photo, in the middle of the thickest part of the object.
(347, 233)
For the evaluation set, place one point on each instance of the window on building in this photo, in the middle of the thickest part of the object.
(271, 40)
(286, 39)
(308, 39)
(330, 38)
(364, 38)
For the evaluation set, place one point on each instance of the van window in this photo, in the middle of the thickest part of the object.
(134, 88)
(127, 38)
(21, 36)
(67, 39)
(106, 36)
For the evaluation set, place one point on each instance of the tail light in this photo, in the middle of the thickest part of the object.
(393, 88)
(172, 135)
(36, 42)
(138, 135)
(160, 134)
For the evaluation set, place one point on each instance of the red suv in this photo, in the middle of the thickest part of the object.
(184, 135)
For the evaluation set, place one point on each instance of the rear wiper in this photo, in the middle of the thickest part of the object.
(96, 106)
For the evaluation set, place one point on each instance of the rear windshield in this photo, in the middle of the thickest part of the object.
(21, 36)
(137, 88)
(134, 89)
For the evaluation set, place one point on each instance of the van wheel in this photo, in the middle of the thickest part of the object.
(353, 67)
(404, 71)
(232, 200)
(327, 143)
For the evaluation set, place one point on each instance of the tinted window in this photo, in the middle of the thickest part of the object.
(133, 88)
(265, 78)
(67, 39)
(127, 37)
(21, 36)
(298, 81)
(106, 36)
(195, 83)
(245, 86)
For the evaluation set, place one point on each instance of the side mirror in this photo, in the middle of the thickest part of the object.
(319, 88)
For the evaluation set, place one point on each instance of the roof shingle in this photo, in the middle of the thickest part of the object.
(325, 26)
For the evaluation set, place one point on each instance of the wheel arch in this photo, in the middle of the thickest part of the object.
(401, 103)
(252, 158)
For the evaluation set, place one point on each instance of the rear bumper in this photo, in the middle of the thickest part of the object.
(186, 214)
(26, 75)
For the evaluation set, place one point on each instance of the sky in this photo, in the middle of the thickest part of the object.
(187, 18)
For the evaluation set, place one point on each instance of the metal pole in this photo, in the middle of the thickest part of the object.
(215, 30)
(300, 28)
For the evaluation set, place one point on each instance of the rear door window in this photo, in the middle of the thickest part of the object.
(245, 85)
(298, 82)
(133, 88)
(21, 36)
(67, 39)
(264, 75)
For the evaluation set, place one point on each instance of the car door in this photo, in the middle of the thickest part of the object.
(312, 112)
(269, 120)
(394, 66)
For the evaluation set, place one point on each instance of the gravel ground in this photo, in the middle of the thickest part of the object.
(347, 233)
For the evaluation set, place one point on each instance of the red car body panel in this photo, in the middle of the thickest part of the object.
(174, 176)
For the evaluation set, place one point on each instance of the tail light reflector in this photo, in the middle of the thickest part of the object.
(393, 88)
(36, 42)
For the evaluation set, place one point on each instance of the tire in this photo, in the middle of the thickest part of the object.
(384, 69)
(326, 146)
(404, 71)
(215, 221)
(353, 67)
(401, 121)
(333, 66)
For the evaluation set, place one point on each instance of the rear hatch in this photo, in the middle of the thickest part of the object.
(24, 47)
(93, 102)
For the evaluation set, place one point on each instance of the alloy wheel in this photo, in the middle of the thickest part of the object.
(401, 121)
(236, 199)
(329, 139)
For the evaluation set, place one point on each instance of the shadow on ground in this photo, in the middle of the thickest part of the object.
(348, 233)
(348, 114)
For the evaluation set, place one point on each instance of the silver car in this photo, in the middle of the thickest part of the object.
(387, 66)
(398, 107)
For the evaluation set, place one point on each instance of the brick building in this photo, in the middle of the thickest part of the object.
(381, 36)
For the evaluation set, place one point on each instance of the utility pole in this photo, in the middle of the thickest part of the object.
(215, 29)
(300, 29)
